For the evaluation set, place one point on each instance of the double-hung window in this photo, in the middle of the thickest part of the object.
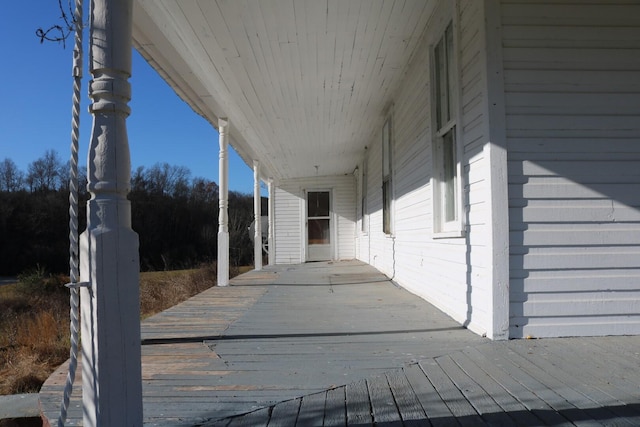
(364, 198)
(386, 176)
(446, 177)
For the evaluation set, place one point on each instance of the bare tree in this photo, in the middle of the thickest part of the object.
(45, 173)
(11, 178)
(165, 179)
(138, 180)
(240, 218)
(203, 190)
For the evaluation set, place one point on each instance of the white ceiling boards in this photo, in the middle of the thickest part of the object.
(303, 82)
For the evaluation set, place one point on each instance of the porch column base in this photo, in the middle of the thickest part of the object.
(223, 259)
(110, 313)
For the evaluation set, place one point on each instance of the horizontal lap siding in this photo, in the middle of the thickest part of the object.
(288, 226)
(290, 215)
(573, 125)
(450, 273)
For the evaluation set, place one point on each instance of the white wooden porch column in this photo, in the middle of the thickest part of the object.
(495, 152)
(223, 197)
(110, 307)
(271, 209)
(257, 207)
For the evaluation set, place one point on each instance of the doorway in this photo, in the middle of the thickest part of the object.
(319, 242)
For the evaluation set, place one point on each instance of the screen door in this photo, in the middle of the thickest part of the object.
(319, 226)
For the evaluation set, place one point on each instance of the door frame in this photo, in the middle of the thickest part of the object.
(332, 222)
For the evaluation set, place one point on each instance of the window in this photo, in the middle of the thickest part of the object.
(364, 208)
(446, 179)
(386, 177)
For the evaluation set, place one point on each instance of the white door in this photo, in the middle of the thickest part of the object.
(319, 245)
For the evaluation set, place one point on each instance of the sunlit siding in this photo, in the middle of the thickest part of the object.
(290, 216)
(288, 226)
(572, 80)
(450, 273)
(344, 198)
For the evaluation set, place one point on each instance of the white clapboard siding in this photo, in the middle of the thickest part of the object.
(573, 124)
(450, 273)
(287, 226)
(290, 205)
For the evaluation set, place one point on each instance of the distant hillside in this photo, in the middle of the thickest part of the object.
(175, 216)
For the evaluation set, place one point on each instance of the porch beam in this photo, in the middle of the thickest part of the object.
(257, 212)
(109, 259)
(271, 213)
(223, 202)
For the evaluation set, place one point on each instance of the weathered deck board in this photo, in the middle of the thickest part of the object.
(451, 395)
(546, 393)
(407, 403)
(507, 402)
(607, 393)
(436, 410)
(538, 407)
(322, 343)
(358, 404)
(483, 403)
(614, 408)
(312, 409)
(588, 408)
(383, 406)
(565, 389)
(285, 414)
(335, 414)
(253, 419)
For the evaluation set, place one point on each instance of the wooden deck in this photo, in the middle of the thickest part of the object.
(521, 383)
(338, 344)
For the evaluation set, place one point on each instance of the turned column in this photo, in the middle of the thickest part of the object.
(257, 208)
(271, 213)
(110, 307)
(223, 196)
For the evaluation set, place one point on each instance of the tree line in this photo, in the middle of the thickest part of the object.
(175, 216)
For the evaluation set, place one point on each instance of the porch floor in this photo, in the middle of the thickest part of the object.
(339, 344)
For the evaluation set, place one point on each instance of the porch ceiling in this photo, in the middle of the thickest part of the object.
(303, 82)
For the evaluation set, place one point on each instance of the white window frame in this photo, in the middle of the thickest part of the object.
(387, 176)
(364, 200)
(448, 219)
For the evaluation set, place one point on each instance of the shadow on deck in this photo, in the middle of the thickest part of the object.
(339, 344)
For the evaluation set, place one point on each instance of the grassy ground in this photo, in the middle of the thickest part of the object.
(34, 319)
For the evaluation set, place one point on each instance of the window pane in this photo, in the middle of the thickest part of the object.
(386, 207)
(443, 57)
(438, 55)
(449, 176)
(364, 197)
(450, 77)
(318, 203)
(386, 149)
(444, 86)
(319, 232)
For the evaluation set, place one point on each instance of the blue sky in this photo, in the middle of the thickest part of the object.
(35, 106)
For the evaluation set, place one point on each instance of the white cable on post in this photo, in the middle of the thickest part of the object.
(73, 215)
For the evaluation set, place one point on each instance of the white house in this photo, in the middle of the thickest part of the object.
(484, 154)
